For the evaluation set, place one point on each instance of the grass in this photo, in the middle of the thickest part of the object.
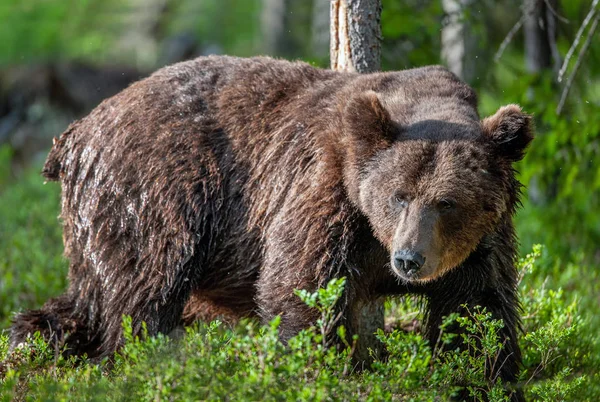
(213, 362)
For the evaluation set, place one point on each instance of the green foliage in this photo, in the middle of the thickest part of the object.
(31, 261)
(483, 346)
(215, 362)
(560, 170)
(55, 29)
(410, 41)
(93, 30)
(324, 300)
(562, 350)
(232, 26)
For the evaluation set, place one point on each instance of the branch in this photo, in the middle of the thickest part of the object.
(528, 10)
(585, 23)
(584, 48)
(509, 37)
(556, 14)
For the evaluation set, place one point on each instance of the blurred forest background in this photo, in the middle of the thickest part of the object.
(60, 58)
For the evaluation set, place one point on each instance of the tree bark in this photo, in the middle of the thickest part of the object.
(141, 38)
(458, 46)
(320, 28)
(540, 41)
(540, 54)
(273, 21)
(355, 35)
(355, 46)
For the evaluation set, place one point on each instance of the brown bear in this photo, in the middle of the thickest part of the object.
(230, 182)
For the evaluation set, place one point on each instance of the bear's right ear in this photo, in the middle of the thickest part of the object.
(367, 126)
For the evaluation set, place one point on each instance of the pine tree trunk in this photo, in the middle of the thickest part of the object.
(540, 43)
(320, 28)
(540, 54)
(143, 21)
(273, 21)
(356, 46)
(458, 46)
(356, 35)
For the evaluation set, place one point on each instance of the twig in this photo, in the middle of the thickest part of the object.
(585, 23)
(539, 369)
(584, 48)
(528, 9)
(555, 13)
(509, 37)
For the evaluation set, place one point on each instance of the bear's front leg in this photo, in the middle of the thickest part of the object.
(365, 318)
(275, 297)
(359, 315)
(458, 290)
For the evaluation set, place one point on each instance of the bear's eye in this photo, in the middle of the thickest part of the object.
(445, 204)
(399, 200)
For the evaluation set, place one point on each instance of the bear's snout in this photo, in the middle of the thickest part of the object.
(409, 262)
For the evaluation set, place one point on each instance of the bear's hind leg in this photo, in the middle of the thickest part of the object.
(158, 304)
(60, 325)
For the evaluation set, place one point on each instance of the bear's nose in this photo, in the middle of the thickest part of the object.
(408, 261)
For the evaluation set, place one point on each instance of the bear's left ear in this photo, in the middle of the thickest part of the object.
(510, 130)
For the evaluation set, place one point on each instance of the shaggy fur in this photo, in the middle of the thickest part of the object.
(224, 184)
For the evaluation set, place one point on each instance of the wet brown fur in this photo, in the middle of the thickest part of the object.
(226, 183)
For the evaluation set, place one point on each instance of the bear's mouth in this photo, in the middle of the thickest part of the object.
(408, 275)
(415, 274)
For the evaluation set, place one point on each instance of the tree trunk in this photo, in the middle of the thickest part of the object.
(320, 28)
(273, 21)
(540, 54)
(458, 46)
(356, 46)
(141, 37)
(540, 41)
(355, 35)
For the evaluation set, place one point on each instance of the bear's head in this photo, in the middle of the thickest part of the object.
(431, 177)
